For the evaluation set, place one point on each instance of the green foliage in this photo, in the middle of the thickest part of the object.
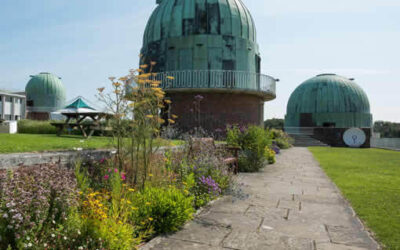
(281, 139)
(166, 208)
(387, 129)
(274, 124)
(370, 180)
(35, 127)
(270, 154)
(253, 142)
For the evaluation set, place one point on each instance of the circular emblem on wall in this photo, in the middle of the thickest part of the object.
(354, 137)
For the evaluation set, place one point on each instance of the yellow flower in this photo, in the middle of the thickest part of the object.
(184, 183)
(142, 223)
(131, 190)
(150, 116)
(148, 203)
(174, 116)
(117, 84)
(134, 208)
(144, 66)
(101, 90)
(151, 175)
(186, 192)
(171, 121)
(150, 219)
(170, 77)
(153, 63)
(161, 120)
(167, 101)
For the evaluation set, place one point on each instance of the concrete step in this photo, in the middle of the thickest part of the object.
(301, 140)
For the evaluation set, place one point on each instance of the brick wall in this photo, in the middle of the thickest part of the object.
(217, 110)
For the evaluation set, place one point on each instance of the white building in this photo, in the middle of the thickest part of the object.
(12, 106)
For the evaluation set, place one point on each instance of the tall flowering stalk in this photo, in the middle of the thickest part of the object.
(140, 114)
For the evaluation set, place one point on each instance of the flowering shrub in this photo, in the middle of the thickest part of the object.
(34, 205)
(270, 155)
(253, 142)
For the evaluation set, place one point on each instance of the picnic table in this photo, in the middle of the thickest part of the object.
(77, 114)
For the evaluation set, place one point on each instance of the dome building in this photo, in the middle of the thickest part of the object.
(45, 93)
(327, 105)
(211, 50)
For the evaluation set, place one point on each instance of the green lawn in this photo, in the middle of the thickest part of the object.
(36, 143)
(370, 180)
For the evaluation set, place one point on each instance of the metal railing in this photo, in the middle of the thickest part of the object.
(217, 79)
(386, 143)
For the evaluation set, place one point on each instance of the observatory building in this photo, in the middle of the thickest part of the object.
(210, 49)
(326, 106)
(45, 93)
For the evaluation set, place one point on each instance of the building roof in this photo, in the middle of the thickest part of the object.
(10, 93)
(77, 104)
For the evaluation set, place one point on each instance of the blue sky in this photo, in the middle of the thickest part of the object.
(84, 42)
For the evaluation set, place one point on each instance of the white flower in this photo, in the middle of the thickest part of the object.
(53, 235)
(54, 222)
(45, 244)
(80, 248)
(28, 238)
(5, 216)
(30, 244)
(65, 237)
(79, 232)
(79, 149)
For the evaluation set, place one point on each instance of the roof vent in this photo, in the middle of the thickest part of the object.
(352, 79)
(158, 1)
(327, 74)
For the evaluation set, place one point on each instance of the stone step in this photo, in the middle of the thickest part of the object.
(301, 140)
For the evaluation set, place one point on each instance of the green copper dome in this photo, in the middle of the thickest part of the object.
(45, 93)
(328, 100)
(201, 35)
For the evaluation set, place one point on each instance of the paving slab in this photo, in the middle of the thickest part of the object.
(289, 205)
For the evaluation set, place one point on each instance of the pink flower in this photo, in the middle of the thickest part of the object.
(116, 170)
(109, 170)
(123, 176)
(102, 161)
(106, 177)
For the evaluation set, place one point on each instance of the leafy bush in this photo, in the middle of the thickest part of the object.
(166, 208)
(281, 139)
(35, 127)
(253, 142)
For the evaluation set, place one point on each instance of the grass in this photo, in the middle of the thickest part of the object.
(370, 180)
(18, 143)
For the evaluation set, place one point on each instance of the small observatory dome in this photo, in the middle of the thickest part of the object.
(45, 93)
(328, 100)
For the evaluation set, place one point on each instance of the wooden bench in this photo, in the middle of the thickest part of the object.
(204, 144)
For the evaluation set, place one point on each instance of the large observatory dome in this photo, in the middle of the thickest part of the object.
(201, 35)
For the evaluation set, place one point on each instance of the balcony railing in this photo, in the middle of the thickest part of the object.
(219, 79)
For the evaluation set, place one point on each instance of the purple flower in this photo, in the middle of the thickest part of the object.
(106, 177)
(123, 176)
(211, 185)
(199, 98)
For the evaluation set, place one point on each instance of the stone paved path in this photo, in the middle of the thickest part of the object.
(290, 205)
